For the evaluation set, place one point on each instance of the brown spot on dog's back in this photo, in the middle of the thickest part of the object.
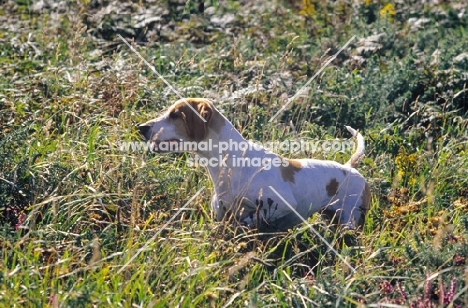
(287, 172)
(332, 187)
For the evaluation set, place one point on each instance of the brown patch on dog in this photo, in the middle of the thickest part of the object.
(287, 172)
(196, 128)
(332, 187)
(365, 206)
(217, 121)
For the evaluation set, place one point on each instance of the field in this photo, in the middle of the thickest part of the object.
(85, 222)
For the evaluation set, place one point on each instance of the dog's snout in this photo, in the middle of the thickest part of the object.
(145, 131)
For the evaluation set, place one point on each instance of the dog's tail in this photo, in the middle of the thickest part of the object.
(359, 153)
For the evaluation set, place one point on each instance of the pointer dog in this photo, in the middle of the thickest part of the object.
(242, 172)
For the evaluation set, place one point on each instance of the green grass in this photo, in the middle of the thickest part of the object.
(71, 92)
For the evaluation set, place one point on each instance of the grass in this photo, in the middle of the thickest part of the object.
(74, 209)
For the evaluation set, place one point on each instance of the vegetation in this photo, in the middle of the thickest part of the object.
(86, 224)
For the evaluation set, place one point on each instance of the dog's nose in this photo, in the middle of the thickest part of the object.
(145, 130)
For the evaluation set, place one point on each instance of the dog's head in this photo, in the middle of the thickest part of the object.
(186, 120)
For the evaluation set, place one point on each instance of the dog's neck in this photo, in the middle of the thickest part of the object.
(224, 163)
(217, 139)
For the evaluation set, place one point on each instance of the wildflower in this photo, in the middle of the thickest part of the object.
(21, 219)
(448, 297)
(386, 287)
(307, 8)
(459, 260)
(402, 293)
(388, 11)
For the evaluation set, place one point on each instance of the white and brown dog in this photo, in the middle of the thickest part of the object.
(242, 172)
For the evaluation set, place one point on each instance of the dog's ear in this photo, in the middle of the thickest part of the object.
(196, 127)
(201, 128)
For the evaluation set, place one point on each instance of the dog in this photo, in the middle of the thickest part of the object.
(256, 187)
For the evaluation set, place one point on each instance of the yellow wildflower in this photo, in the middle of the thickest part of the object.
(388, 11)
